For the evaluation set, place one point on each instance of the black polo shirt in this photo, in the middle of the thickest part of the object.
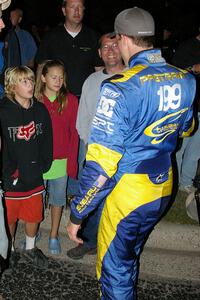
(79, 54)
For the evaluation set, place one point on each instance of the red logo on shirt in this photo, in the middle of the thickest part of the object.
(26, 132)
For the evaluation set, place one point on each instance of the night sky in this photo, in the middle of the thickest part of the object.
(180, 15)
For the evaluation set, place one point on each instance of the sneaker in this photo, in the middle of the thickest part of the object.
(81, 250)
(187, 188)
(13, 259)
(37, 257)
(22, 243)
(54, 246)
(191, 207)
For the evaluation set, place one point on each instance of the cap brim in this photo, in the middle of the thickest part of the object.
(5, 4)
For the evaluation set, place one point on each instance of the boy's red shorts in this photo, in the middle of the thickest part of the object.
(29, 210)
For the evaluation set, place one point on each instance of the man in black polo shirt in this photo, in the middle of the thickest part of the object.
(74, 43)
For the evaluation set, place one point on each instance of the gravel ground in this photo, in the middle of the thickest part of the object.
(76, 281)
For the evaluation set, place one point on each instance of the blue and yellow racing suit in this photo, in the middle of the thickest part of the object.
(140, 114)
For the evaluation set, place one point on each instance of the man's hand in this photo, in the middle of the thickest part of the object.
(196, 68)
(72, 230)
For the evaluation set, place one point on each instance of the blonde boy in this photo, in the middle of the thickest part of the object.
(27, 154)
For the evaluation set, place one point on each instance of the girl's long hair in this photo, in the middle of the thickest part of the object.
(43, 69)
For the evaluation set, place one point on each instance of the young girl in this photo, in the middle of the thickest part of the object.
(26, 134)
(52, 91)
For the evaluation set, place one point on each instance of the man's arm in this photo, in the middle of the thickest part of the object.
(106, 148)
(189, 123)
(83, 115)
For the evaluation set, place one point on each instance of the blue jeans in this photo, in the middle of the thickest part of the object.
(72, 187)
(56, 189)
(187, 158)
(90, 227)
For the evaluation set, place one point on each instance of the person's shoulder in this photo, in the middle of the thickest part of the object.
(4, 102)
(72, 98)
(54, 32)
(59, 29)
(185, 45)
(26, 35)
(183, 73)
(39, 106)
(95, 76)
(24, 31)
(192, 77)
(89, 31)
(118, 78)
(114, 84)
(5, 106)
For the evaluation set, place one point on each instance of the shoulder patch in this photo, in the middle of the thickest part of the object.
(114, 77)
(127, 74)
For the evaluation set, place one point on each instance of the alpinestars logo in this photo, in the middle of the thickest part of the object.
(26, 132)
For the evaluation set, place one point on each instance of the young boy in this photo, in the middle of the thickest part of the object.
(27, 154)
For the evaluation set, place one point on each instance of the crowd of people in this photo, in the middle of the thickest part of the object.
(92, 121)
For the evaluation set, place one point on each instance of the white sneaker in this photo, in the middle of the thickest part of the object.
(187, 188)
(191, 207)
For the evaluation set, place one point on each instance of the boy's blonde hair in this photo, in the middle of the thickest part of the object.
(15, 75)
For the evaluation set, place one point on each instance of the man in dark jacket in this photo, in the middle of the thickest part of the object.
(3, 237)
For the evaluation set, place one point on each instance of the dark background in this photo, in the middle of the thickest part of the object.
(179, 15)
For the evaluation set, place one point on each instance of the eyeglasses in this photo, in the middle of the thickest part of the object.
(107, 47)
(26, 82)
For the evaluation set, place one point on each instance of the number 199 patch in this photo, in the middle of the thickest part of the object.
(170, 97)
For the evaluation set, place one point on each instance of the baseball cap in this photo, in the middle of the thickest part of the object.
(3, 5)
(134, 21)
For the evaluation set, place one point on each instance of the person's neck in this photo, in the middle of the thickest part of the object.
(16, 27)
(50, 94)
(133, 51)
(115, 69)
(25, 103)
(72, 27)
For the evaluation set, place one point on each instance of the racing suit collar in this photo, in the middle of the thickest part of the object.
(150, 56)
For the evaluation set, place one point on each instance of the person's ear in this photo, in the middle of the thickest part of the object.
(43, 79)
(64, 11)
(124, 38)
